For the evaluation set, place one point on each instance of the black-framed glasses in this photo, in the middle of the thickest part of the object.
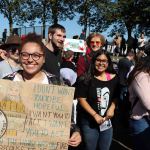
(102, 61)
(35, 56)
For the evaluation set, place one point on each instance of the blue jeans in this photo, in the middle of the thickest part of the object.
(94, 139)
(140, 131)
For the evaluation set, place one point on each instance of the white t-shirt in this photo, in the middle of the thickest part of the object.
(45, 80)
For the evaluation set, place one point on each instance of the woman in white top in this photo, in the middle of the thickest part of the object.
(32, 58)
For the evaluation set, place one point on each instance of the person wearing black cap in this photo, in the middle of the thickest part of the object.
(11, 63)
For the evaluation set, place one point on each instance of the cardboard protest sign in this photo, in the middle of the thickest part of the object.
(75, 45)
(34, 116)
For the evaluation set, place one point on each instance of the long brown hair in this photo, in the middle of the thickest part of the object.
(142, 66)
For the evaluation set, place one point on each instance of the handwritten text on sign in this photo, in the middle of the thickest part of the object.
(34, 116)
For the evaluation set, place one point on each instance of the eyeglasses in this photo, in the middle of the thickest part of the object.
(104, 61)
(35, 56)
(93, 42)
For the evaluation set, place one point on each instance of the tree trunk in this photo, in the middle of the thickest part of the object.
(55, 12)
(10, 25)
(85, 27)
(44, 21)
(43, 29)
(55, 20)
(130, 41)
(129, 30)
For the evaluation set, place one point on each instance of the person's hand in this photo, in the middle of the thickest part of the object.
(3, 54)
(109, 114)
(75, 139)
(99, 119)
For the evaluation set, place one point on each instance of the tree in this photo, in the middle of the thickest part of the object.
(11, 10)
(85, 11)
(92, 14)
(51, 11)
(119, 14)
(37, 9)
(144, 23)
(122, 15)
(63, 9)
(133, 14)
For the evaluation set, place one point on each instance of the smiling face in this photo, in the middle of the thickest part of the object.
(32, 58)
(101, 63)
(57, 39)
(95, 43)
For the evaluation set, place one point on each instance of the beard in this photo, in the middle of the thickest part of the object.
(56, 47)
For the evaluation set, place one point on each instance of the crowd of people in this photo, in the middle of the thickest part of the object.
(100, 89)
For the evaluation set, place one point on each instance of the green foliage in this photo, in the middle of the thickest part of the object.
(122, 15)
(11, 9)
(27, 11)
(50, 11)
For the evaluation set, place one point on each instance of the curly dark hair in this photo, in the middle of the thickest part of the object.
(33, 38)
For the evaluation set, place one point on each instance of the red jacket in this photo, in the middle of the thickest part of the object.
(83, 64)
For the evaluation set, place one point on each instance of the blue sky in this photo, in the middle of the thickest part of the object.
(71, 26)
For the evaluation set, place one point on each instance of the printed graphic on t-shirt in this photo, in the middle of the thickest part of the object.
(103, 95)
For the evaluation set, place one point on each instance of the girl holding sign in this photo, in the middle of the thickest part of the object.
(32, 58)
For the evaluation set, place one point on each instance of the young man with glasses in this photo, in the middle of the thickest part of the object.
(11, 63)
